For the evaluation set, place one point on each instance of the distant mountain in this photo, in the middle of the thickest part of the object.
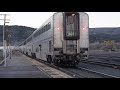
(20, 33)
(102, 34)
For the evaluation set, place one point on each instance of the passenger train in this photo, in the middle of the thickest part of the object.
(62, 39)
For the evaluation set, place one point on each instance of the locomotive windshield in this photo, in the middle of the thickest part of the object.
(71, 26)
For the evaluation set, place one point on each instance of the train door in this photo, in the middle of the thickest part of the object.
(71, 33)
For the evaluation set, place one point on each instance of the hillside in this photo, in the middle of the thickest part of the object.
(102, 34)
(20, 33)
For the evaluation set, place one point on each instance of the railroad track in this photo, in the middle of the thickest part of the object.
(65, 70)
(98, 73)
(74, 72)
(113, 65)
(107, 59)
(85, 73)
(79, 72)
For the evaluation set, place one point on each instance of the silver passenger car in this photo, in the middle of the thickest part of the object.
(62, 39)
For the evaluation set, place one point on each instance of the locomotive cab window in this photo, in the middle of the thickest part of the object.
(71, 26)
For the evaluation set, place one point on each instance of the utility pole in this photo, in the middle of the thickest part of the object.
(10, 49)
(4, 41)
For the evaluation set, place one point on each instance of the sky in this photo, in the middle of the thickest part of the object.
(35, 19)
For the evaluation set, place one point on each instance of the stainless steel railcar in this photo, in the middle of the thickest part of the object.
(62, 39)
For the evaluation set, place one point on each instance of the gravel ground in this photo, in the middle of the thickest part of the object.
(101, 52)
(104, 56)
